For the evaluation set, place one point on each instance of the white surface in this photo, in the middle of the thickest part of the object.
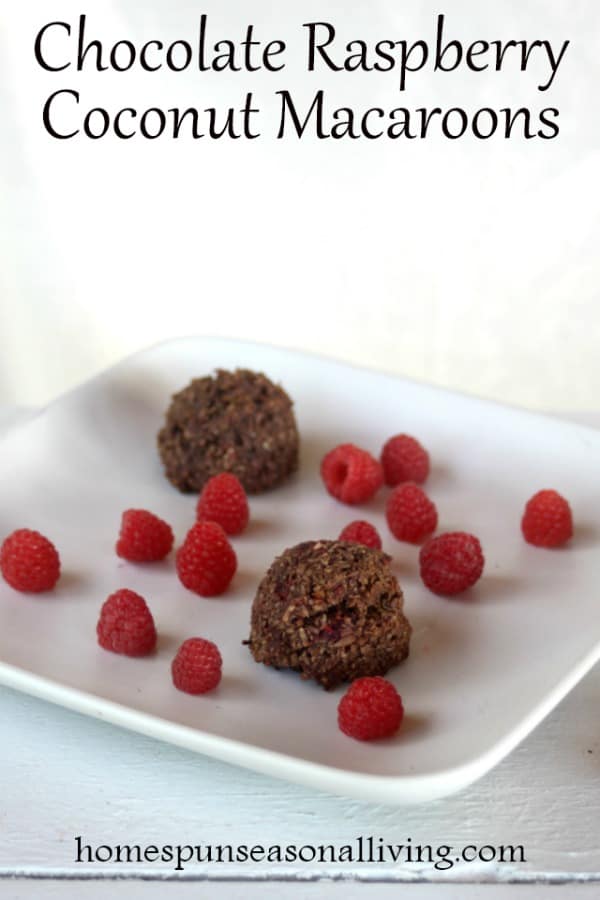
(28, 890)
(471, 264)
(483, 670)
(65, 774)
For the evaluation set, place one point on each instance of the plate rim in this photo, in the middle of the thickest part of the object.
(477, 399)
(387, 789)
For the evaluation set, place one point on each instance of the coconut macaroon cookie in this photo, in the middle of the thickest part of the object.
(331, 610)
(239, 422)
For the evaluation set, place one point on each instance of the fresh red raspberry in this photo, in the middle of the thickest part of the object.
(126, 624)
(143, 537)
(223, 500)
(206, 561)
(196, 668)
(410, 514)
(29, 562)
(350, 474)
(371, 708)
(451, 562)
(404, 459)
(361, 532)
(547, 520)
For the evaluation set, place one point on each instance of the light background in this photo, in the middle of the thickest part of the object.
(471, 264)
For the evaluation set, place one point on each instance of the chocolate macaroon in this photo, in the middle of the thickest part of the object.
(331, 610)
(237, 422)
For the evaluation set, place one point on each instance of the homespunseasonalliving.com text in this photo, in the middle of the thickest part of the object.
(365, 849)
(66, 48)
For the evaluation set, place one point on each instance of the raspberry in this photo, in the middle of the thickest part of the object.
(126, 624)
(206, 561)
(196, 668)
(143, 537)
(29, 561)
(371, 708)
(410, 514)
(361, 533)
(350, 474)
(547, 520)
(404, 459)
(451, 563)
(223, 500)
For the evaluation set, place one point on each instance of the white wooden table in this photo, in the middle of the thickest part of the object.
(64, 775)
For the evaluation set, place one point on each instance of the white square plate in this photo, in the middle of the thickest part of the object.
(483, 670)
